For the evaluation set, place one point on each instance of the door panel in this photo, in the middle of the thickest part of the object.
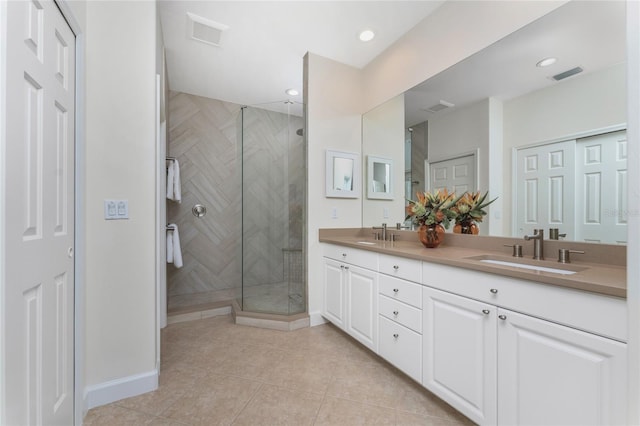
(545, 188)
(39, 202)
(601, 187)
(456, 175)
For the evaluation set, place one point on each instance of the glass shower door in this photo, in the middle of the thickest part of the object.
(273, 197)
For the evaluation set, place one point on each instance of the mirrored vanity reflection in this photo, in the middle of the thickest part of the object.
(549, 141)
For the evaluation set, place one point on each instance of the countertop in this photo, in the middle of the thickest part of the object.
(459, 250)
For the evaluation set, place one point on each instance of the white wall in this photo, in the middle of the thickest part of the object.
(333, 102)
(120, 164)
(456, 30)
(383, 136)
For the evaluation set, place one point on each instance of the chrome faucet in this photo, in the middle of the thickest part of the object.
(538, 243)
(384, 231)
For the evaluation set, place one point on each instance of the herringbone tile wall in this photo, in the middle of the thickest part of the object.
(205, 136)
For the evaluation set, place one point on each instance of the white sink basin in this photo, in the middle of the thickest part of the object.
(529, 264)
(532, 267)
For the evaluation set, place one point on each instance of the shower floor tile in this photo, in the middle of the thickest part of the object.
(215, 372)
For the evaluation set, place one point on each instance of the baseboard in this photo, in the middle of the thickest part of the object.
(115, 390)
(316, 318)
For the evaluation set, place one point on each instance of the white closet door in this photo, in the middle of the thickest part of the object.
(601, 186)
(545, 188)
(457, 175)
(38, 315)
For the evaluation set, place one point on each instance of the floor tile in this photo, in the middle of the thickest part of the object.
(277, 406)
(110, 415)
(214, 372)
(214, 400)
(338, 412)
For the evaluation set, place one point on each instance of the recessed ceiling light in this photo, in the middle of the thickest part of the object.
(366, 35)
(292, 92)
(546, 62)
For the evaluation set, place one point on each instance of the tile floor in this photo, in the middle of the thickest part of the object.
(217, 373)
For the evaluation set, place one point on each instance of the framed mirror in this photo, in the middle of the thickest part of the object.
(379, 178)
(342, 175)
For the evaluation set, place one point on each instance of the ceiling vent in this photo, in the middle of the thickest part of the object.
(566, 74)
(439, 106)
(204, 30)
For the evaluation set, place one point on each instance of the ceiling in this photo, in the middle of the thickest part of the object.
(588, 34)
(261, 53)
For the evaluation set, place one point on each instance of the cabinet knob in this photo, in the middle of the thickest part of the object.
(502, 317)
(395, 290)
(396, 313)
(344, 254)
(396, 267)
(494, 290)
(486, 311)
(395, 335)
(341, 266)
(346, 267)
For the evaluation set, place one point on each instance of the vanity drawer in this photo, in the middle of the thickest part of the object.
(409, 269)
(591, 312)
(401, 290)
(401, 313)
(401, 347)
(362, 258)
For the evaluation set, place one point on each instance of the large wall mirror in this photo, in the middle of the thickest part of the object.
(516, 114)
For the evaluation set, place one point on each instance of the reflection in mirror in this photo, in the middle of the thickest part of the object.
(498, 102)
(342, 174)
(379, 178)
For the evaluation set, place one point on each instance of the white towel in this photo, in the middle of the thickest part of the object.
(174, 252)
(173, 181)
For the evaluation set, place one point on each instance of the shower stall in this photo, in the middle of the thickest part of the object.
(246, 166)
(273, 199)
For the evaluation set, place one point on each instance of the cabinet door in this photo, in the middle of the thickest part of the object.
(362, 305)
(459, 346)
(333, 304)
(551, 374)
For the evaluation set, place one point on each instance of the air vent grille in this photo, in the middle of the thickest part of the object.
(205, 30)
(566, 74)
(439, 106)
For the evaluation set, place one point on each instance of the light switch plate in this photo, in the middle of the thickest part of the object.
(116, 209)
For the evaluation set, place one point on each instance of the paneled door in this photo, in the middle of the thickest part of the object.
(601, 188)
(38, 203)
(545, 177)
(456, 175)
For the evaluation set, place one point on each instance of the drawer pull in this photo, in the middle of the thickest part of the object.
(502, 317)
(395, 313)
(494, 290)
(395, 290)
(486, 311)
(396, 267)
(395, 335)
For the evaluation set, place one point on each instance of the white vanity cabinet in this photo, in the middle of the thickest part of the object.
(550, 374)
(505, 355)
(350, 289)
(460, 356)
